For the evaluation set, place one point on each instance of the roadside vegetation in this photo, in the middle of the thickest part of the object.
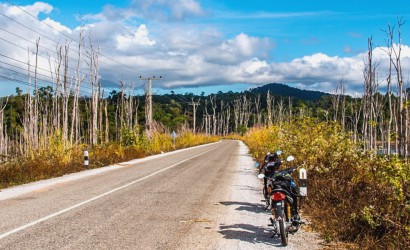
(57, 160)
(353, 196)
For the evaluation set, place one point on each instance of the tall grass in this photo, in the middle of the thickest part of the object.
(353, 196)
(57, 160)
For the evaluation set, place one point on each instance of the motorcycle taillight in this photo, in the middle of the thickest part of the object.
(278, 196)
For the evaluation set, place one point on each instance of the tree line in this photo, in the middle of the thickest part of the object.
(29, 122)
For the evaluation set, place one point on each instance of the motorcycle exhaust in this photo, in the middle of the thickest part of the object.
(295, 223)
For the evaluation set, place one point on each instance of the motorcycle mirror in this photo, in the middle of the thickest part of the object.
(261, 176)
(290, 158)
(279, 152)
(256, 164)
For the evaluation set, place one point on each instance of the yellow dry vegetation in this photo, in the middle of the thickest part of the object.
(353, 196)
(57, 159)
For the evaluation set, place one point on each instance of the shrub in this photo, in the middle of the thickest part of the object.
(353, 196)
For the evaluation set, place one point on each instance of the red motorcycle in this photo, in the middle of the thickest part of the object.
(284, 195)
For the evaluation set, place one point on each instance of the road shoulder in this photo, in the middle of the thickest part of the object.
(234, 217)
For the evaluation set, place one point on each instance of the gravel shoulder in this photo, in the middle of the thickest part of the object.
(233, 217)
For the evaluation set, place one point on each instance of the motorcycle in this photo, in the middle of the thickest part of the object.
(269, 167)
(284, 196)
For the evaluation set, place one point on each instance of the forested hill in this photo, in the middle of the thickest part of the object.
(287, 91)
(174, 109)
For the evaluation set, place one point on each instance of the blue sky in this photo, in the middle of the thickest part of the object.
(217, 45)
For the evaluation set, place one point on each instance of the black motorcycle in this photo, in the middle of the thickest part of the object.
(270, 165)
(284, 196)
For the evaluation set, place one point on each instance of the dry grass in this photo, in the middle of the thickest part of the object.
(57, 161)
(353, 197)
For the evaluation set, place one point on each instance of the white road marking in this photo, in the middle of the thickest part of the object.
(4, 235)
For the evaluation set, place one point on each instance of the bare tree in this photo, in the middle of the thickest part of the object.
(290, 108)
(194, 107)
(136, 104)
(34, 117)
(281, 107)
(212, 99)
(206, 118)
(93, 67)
(236, 111)
(121, 108)
(269, 107)
(396, 61)
(3, 135)
(75, 118)
(107, 122)
(258, 109)
(337, 89)
(356, 109)
(66, 94)
(368, 97)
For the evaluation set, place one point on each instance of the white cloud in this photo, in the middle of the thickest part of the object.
(35, 9)
(58, 27)
(162, 10)
(183, 8)
(188, 54)
(139, 37)
(241, 44)
(240, 48)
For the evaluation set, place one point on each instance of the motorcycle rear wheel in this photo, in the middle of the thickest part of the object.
(283, 233)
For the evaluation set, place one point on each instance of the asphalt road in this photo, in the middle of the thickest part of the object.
(202, 198)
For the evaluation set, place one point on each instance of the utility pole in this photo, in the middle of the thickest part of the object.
(194, 106)
(148, 102)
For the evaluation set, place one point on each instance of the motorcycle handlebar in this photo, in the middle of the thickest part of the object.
(290, 170)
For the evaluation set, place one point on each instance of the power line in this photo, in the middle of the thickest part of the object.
(40, 79)
(26, 83)
(40, 45)
(74, 69)
(54, 41)
(26, 70)
(111, 59)
(46, 76)
(42, 69)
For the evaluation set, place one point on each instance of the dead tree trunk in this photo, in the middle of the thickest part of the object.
(66, 96)
(3, 137)
(75, 118)
(93, 67)
(269, 107)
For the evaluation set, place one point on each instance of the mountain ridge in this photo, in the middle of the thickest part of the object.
(280, 89)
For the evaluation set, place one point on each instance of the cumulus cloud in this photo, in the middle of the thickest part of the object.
(35, 9)
(185, 54)
(139, 37)
(241, 47)
(319, 69)
(57, 27)
(20, 31)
